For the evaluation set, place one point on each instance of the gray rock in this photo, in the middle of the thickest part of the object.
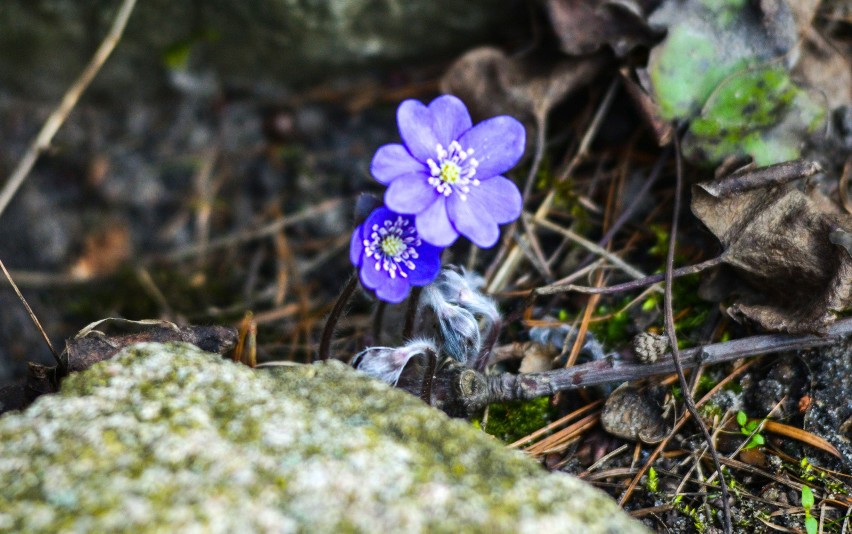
(169, 438)
(47, 42)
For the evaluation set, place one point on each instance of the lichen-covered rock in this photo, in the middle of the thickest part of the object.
(167, 438)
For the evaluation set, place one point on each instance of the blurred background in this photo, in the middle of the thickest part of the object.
(212, 165)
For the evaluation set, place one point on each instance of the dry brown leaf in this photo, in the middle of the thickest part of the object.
(104, 250)
(492, 83)
(584, 26)
(789, 275)
(102, 339)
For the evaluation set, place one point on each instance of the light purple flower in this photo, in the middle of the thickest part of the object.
(447, 171)
(391, 255)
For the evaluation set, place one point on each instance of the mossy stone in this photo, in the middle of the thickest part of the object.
(167, 438)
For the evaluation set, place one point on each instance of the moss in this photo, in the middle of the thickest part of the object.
(510, 421)
(170, 438)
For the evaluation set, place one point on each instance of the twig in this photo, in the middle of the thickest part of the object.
(843, 185)
(748, 179)
(334, 316)
(540, 139)
(69, 100)
(647, 184)
(627, 286)
(529, 386)
(670, 331)
(378, 320)
(34, 318)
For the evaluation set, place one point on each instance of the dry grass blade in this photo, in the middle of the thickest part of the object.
(559, 440)
(801, 435)
(556, 424)
(33, 317)
(504, 272)
(69, 100)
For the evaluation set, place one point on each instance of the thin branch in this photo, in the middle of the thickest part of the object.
(33, 317)
(69, 100)
(772, 175)
(647, 184)
(627, 286)
(670, 331)
(530, 386)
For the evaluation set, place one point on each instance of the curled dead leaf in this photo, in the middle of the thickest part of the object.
(491, 83)
(787, 273)
(584, 26)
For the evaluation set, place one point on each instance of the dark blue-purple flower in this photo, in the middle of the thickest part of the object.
(391, 255)
(447, 171)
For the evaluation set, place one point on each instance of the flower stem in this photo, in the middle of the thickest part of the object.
(334, 316)
(378, 321)
(411, 312)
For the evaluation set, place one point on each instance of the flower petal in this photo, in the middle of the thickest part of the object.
(394, 290)
(393, 161)
(371, 278)
(433, 224)
(427, 265)
(499, 197)
(450, 119)
(410, 194)
(356, 246)
(416, 128)
(472, 221)
(497, 144)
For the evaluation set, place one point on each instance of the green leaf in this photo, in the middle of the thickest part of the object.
(742, 418)
(756, 441)
(756, 112)
(811, 525)
(807, 498)
(707, 41)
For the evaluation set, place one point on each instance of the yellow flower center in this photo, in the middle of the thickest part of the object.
(450, 172)
(393, 246)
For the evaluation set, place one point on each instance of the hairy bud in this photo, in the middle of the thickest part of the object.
(387, 363)
(455, 327)
(462, 289)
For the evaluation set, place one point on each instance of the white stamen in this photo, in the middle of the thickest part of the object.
(453, 171)
(392, 246)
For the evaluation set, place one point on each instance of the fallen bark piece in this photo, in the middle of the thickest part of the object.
(102, 340)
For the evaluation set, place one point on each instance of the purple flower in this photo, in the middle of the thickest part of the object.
(447, 171)
(391, 255)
